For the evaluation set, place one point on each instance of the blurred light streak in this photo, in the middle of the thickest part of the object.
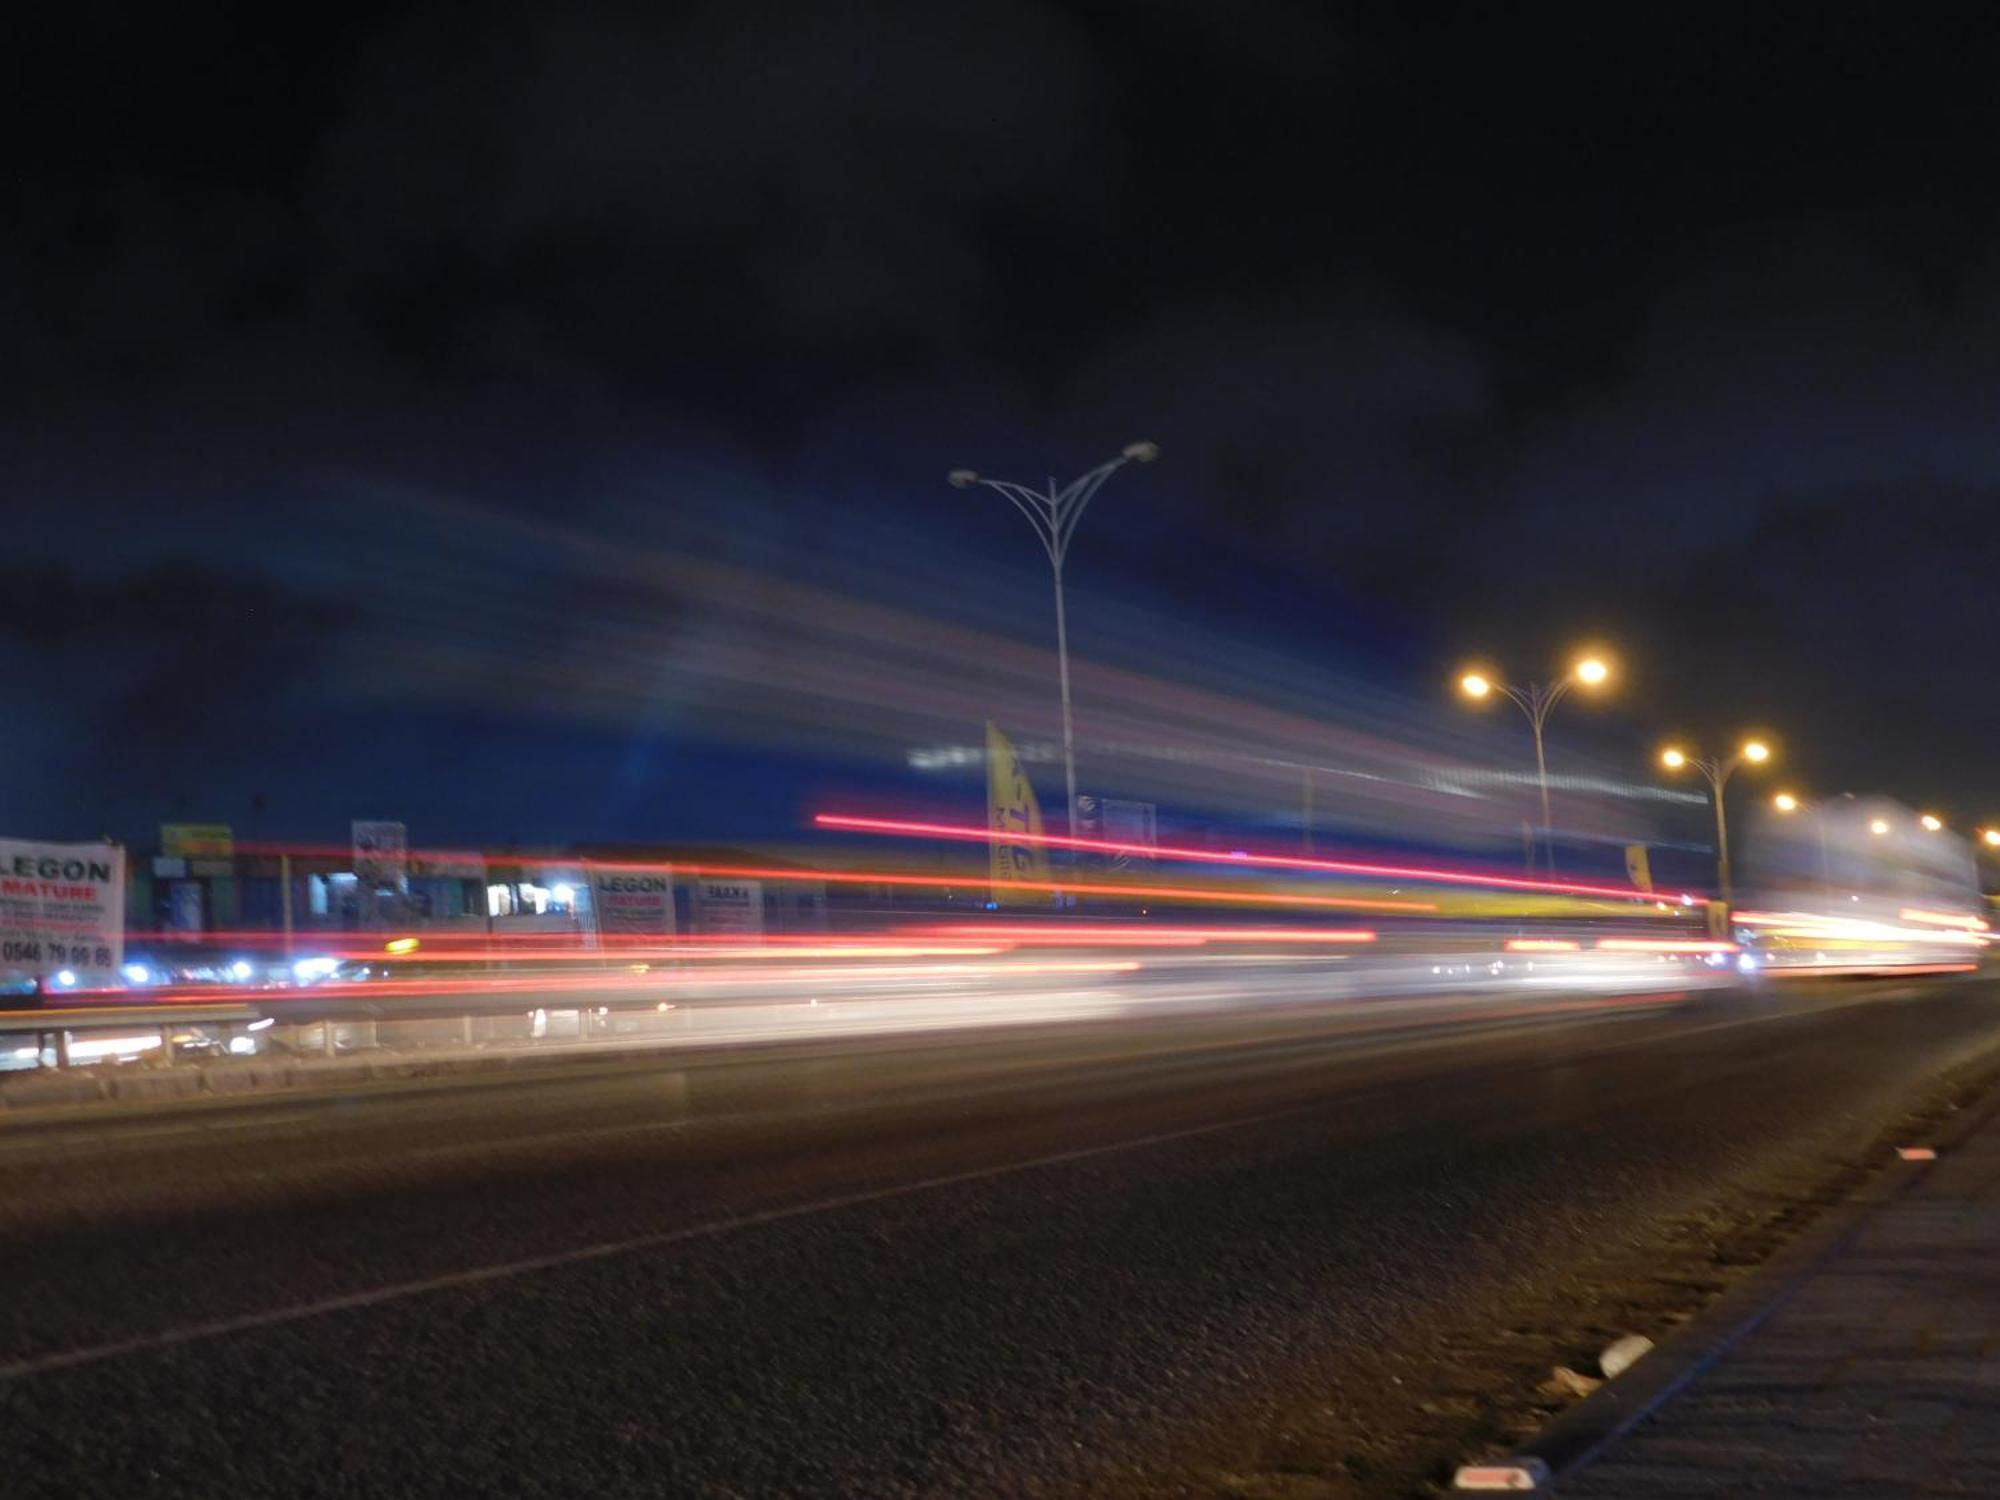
(94, 1048)
(944, 880)
(974, 834)
(671, 949)
(1943, 918)
(1169, 936)
(1814, 926)
(445, 942)
(588, 981)
(1095, 888)
(1662, 945)
(774, 659)
(1541, 945)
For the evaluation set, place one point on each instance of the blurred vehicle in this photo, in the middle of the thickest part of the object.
(1859, 886)
(156, 966)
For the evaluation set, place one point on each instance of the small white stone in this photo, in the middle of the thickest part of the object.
(1622, 1355)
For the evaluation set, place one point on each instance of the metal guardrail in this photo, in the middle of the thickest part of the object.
(309, 1007)
(124, 1017)
(326, 1022)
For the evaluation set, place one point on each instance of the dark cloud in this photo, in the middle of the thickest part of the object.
(1851, 624)
(138, 698)
(589, 197)
(173, 650)
(1494, 328)
(578, 191)
(1329, 427)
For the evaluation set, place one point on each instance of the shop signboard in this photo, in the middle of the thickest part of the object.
(726, 906)
(197, 840)
(633, 901)
(62, 911)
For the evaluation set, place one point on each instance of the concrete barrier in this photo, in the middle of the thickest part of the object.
(149, 1085)
(333, 1071)
(280, 1071)
(242, 1078)
(43, 1086)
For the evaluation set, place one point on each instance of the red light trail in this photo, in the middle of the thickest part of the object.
(967, 833)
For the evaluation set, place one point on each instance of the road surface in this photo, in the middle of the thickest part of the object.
(1305, 1251)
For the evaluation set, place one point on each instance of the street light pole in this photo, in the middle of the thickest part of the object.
(1536, 703)
(1537, 700)
(1071, 826)
(1825, 864)
(1786, 803)
(1053, 513)
(1722, 835)
(1718, 771)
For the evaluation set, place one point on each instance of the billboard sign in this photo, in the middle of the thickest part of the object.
(381, 855)
(1134, 825)
(726, 906)
(62, 911)
(633, 901)
(197, 840)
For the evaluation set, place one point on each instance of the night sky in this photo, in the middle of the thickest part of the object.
(1460, 331)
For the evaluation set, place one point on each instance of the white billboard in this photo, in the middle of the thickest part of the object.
(1135, 826)
(62, 911)
(726, 906)
(632, 901)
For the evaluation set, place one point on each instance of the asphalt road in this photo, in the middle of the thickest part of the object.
(1278, 1254)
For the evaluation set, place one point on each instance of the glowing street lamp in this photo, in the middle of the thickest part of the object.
(1537, 700)
(1990, 837)
(1878, 826)
(1054, 513)
(1932, 823)
(1718, 771)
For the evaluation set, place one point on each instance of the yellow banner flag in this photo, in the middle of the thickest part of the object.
(1638, 867)
(1012, 811)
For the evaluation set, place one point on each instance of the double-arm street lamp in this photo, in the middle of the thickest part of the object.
(1053, 513)
(1929, 822)
(1537, 700)
(1718, 771)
